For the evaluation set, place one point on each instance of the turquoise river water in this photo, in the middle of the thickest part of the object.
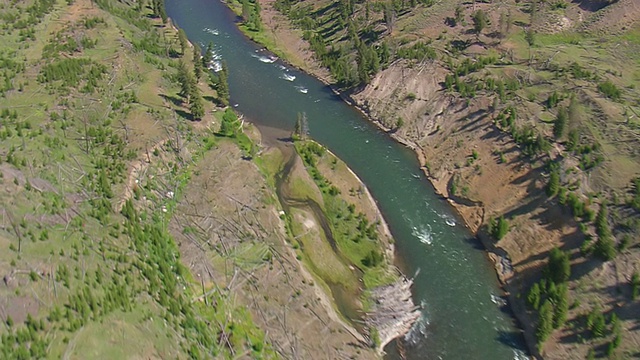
(463, 314)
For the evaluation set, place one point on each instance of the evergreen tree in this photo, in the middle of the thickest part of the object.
(196, 104)
(533, 298)
(530, 37)
(221, 84)
(480, 21)
(186, 80)
(198, 69)
(560, 123)
(554, 183)
(208, 55)
(561, 306)
(604, 246)
(184, 42)
(635, 285)
(545, 322)
(558, 269)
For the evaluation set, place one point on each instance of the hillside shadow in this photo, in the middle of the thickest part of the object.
(512, 339)
(475, 243)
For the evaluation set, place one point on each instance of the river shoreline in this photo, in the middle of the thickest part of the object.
(501, 263)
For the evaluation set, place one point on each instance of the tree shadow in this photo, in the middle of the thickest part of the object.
(173, 99)
(174, 54)
(370, 36)
(323, 10)
(495, 134)
(331, 31)
(460, 45)
(578, 270)
(185, 115)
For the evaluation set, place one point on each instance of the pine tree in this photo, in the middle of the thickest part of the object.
(196, 104)
(554, 183)
(184, 42)
(558, 269)
(533, 298)
(222, 85)
(480, 21)
(545, 322)
(208, 55)
(604, 246)
(197, 62)
(560, 123)
(561, 306)
(186, 80)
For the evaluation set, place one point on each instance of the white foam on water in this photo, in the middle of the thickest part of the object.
(268, 59)
(211, 31)
(288, 77)
(448, 219)
(418, 331)
(215, 66)
(423, 234)
(519, 355)
(498, 300)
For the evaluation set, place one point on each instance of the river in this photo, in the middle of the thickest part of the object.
(462, 316)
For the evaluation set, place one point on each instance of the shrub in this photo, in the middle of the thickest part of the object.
(559, 268)
(499, 228)
(610, 90)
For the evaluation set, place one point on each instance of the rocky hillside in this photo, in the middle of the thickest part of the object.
(525, 115)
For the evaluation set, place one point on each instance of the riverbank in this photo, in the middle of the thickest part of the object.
(339, 204)
(472, 213)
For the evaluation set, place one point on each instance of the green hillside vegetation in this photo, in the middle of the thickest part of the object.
(90, 97)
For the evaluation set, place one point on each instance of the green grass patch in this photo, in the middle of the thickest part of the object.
(318, 254)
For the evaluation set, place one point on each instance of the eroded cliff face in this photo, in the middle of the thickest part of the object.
(477, 167)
